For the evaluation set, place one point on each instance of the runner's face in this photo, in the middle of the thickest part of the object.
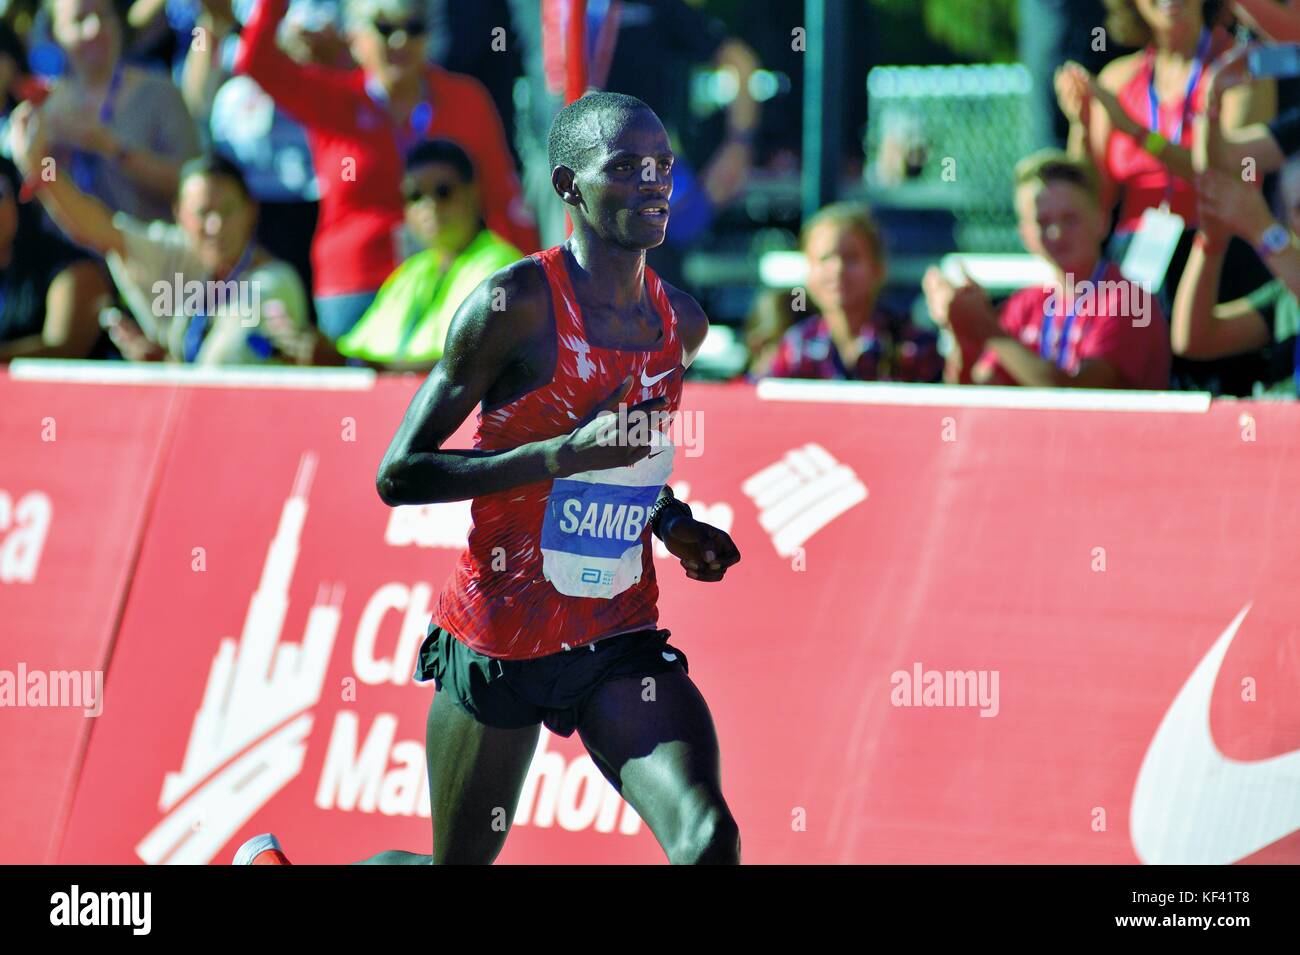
(217, 218)
(626, 181)
(1060, 222)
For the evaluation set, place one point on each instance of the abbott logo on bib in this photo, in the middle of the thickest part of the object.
(595, 522)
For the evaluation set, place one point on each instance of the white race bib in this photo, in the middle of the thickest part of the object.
(595, 522)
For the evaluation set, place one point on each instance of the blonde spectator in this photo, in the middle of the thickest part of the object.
(1090, 328)
(122, 132)
(850, 336)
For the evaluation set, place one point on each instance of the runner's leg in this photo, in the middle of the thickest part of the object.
(476, 773)
(662, 756)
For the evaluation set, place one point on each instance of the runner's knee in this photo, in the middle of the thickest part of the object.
(708, 835)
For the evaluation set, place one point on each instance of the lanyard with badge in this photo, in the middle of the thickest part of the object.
(85, 164)
(1160, 230)
(197, 329)
(405, 136)
(416, 127)
(1063, 337)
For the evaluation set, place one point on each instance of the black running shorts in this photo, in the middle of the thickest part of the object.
(511, 694)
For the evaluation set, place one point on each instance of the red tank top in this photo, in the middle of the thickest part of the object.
(1141, 177)
(560, 563)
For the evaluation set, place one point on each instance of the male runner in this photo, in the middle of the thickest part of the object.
(550, 614)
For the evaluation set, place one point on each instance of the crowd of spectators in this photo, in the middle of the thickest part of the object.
(297, 181)
(1168, 149)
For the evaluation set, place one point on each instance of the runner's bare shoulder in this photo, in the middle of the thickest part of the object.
(505, 313)
(692, 323)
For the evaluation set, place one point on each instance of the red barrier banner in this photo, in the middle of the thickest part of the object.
(958, 633)
(77, 465)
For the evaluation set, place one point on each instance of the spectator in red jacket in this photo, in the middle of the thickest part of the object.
(359, 123)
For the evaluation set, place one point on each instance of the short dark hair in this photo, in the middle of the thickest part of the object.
(215, 164)
(570, 135)
(1054, 165)
(443, 151)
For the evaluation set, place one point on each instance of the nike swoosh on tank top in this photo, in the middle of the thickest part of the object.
(560, 563)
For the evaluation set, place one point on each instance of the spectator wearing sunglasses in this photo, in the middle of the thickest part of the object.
(245, 125)
(360, 122)
(405, 328)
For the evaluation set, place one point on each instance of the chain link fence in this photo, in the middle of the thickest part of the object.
(949, 137)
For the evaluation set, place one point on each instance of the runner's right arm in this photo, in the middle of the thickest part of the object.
(481, 346)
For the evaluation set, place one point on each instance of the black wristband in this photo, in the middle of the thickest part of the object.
(660, 507)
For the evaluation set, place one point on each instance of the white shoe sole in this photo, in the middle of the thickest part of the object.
(251, 849)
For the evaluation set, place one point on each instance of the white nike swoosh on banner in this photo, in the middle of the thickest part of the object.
(1194, 806)
(647, 382)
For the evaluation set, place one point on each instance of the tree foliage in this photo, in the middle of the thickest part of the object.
(978, 30)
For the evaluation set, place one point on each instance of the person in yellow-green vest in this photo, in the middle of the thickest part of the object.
(405, 326)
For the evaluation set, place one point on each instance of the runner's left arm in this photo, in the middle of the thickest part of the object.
(692, 328)
(705, 551)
